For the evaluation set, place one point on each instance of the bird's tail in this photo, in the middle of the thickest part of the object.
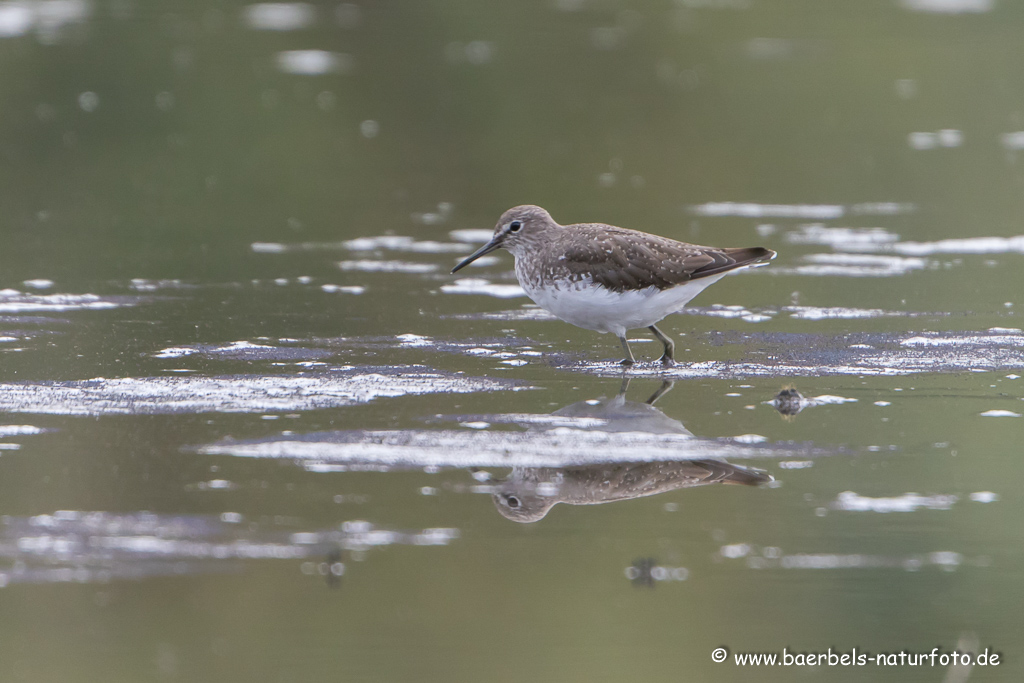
(731, 259)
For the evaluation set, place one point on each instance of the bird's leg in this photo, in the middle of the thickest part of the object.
(628, 360)
(670, 347)
(625, 384)
(665, 387)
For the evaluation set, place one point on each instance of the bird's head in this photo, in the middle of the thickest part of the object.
(522, 507)
(517, 229)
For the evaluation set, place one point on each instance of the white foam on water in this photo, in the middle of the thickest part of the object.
(471, 235)
(313, 62)
(908, 502)
(343, 289)
(936, 352)
(964, 245)
(854, 265)
(269, 247)
(883, 209)
(19, 430)
(410, 339)
(369, 266)
(954, 339)
(752, 210)
(13, 301)
(528, 312)
(796, 464)
(48, 18)
(815, 313)
(279, 16)
(721, 311)
(469, 285)
(401, 243)
(967, 245)
(214, 485)
(749, 438)
(999, 413)
(229, 394)
(949, 6)
(947, 137)
(984, 497)
(840, 238)
(946, 560)
(143, 285)
(828, 399)
(1013, 141)
(555, 447)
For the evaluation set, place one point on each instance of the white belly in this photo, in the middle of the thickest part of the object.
(594, 307)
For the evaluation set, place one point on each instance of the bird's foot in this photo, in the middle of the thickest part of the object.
(668, 361)
(626, 362)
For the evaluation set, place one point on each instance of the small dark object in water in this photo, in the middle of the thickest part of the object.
(333, 568)
(789, 401)
(641, 572)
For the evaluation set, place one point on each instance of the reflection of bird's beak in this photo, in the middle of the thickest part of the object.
(486, 249)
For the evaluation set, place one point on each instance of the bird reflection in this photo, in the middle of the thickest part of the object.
(527, 493)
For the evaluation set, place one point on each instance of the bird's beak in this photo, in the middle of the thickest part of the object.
(486, 249)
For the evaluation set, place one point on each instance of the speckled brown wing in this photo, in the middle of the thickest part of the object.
(622, 260)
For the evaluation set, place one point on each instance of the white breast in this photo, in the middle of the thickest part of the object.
(595, 307)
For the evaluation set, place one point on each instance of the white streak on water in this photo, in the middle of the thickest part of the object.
(279, 16)
(230, 394)
(557, 447)
(826, 399)
(949, 6)
(854, 265)
(401, 243)
(1013, 141)
(815, 313)
(468, 285)
(953, 339)
(751, 210)
(387, 266)
(19, 430)
(908, 502)
(344, 289)
(47, 17)
(471, 235)
(840, 238)
(13, 301)
(967, 245)
(313, 62)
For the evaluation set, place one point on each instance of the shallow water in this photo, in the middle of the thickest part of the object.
(252, 430)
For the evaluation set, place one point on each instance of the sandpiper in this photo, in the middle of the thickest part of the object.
(608, 279)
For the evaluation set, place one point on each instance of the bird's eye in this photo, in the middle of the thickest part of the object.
(512, 501)
(514, 226)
